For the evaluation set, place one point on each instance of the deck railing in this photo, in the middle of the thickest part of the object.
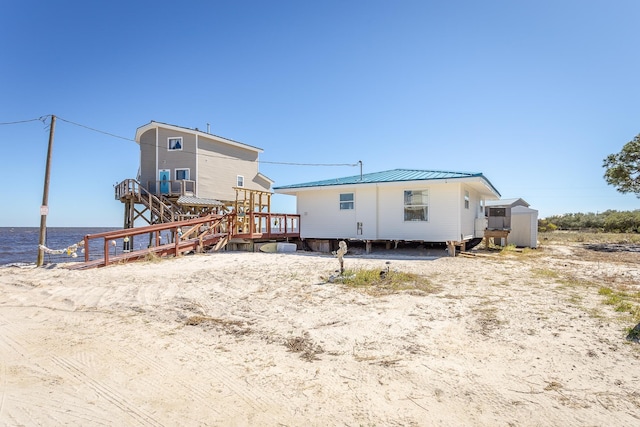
(182, 187)
(197, 232)
(161, 208)
(175, 238)
(267, 225)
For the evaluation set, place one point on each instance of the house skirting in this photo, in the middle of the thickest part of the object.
(369, 246)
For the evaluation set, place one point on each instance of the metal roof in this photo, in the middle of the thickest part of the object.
(395, 175)
(507, 203)
(197, 201)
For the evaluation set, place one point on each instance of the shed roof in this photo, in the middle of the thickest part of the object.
(390, 176)
(507, 203)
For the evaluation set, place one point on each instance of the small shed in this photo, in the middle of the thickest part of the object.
(516, 216)
(524, 227)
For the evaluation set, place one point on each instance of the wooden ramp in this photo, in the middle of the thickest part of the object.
(191, 245)
(190, 235)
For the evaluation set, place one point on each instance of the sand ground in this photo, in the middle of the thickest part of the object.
(255, 339)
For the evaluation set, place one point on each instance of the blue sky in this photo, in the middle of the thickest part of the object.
(533, 94)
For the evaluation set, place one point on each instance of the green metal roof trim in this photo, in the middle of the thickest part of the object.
(395, 175)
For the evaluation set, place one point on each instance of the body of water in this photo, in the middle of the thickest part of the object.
(19, 245)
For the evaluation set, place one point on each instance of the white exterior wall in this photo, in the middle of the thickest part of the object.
(524, 227)
(321, 217)
(469, 225)
(380, 209)
(366, 208)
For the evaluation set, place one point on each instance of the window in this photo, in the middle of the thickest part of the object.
(416, 205)
(346, 201)
(175, 143)
(466, 199)
(497, 212)
(240, 181)
(182, 174)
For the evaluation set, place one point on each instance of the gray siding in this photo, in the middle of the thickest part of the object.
(212, 164)
(148, 157)
(177, 159)
(220, 164)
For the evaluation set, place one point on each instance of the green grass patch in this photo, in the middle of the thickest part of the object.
(383, 282)
(520, 253)
(574, 282)
(545, 272)
(588, 237)
(622, 302)
(605, 291)
(508, 248)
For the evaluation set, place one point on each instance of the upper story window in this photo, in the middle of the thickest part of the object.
(466, 199)
(416, 205)
(175, 143)
(182, 174)
(240, 181)
(346, 201)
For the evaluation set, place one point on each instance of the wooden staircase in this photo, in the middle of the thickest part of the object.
(161, 208)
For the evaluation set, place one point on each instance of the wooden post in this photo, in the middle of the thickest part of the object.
(86, 248)
(451, 247)
(44, 209)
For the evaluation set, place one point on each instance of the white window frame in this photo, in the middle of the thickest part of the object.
(346, 204)
(188, 174)
(467, 199)
(172, 141)
(408, 203)
(240, 181)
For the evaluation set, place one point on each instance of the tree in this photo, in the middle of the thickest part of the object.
(623, 169)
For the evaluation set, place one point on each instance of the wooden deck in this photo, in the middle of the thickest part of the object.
(208, 232)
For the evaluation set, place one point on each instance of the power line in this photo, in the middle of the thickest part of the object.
(213, 155)
(97, 130)
(43, 118)
(308, 164)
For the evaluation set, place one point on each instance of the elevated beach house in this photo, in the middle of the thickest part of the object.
(186, 173)
(394, 205)
(194, 191)
(183, 161)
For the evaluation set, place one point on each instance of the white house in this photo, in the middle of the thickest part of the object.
(394, 205)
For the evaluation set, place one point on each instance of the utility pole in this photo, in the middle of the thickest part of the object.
(44, 209)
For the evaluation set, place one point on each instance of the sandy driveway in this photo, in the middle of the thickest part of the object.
(239, 339)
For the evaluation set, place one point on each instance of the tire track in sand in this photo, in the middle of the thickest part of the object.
(9, 349)
(216, 380)
(108, 393)
(147, 362)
